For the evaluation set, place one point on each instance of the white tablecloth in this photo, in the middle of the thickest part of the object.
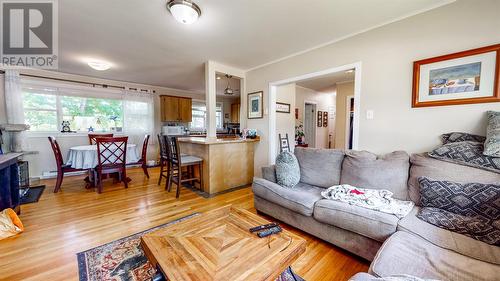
(85, 156)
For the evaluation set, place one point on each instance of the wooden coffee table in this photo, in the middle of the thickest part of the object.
(217, 245)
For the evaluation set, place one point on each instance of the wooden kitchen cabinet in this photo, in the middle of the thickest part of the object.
(235, 113)
(176, 109)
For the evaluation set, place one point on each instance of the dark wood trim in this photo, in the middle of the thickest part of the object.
(496, 88)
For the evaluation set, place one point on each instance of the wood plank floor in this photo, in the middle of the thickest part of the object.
(74, 220)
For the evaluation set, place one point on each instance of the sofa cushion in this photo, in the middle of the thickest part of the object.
(405, 253)
(367, 170)
(449, 240)
(492, 143)
(362, 276)
(299, 199)
(319, 167)
(423, 166)
(366, 222)
(287, 169)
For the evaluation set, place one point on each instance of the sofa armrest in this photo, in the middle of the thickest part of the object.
(269, 173)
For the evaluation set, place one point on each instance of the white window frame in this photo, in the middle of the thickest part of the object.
(204, 128)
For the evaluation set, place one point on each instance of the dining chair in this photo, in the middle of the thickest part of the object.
(92, 137)
(61, 167)
(164, 161)
(177, 161)
(111, 159)
(143, 160)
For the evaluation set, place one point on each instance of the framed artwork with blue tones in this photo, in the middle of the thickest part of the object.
(461, 78)
(255, 105)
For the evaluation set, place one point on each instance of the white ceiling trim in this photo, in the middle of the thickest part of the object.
(352, 35)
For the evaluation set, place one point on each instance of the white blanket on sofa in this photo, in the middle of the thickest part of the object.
(374, 199)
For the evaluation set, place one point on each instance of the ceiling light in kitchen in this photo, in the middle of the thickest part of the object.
(184, 11)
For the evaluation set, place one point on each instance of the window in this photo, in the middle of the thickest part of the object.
(200, 116)
(105, 111)
(101, 114)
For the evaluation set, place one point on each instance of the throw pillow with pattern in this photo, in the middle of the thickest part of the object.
(458, 137)
(471, 209)
(287, 169)
(466, 153)
(492, 143)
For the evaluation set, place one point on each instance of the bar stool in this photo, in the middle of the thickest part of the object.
(177, 161)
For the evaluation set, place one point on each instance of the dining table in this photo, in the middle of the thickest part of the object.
(85, 157)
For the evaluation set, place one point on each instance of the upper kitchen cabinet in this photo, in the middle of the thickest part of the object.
(176, 109)
(235, 113)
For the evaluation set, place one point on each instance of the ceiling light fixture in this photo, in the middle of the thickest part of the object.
(99, 65)
(349, 71)
(228, 91)
(184, 11)
(218, 78)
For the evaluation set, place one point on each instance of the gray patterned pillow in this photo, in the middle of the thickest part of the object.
(287, 169)
(466, 153)
(478, 227)
(471, 209)
(457, 137)
(492, 143)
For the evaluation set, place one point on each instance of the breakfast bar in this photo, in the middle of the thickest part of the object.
(228, 163)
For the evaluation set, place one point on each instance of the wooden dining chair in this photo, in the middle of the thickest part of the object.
(92, 137)
(111, 159)
(142, 161)
(177, 161)
(164, 160)
(61, 167)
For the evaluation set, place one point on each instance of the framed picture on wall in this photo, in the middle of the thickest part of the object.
(461, 78)
(255, 105)
(320, 118)
(325, 118)
(282, 107)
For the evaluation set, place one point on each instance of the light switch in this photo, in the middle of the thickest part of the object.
(369, 114)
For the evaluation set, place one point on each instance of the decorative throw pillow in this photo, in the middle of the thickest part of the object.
(287, 169)
(492, 143)
(470, 209)
(467, 199)
(466, 153)
(477, 227)
(458, 137)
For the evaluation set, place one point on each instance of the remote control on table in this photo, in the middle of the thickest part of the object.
(270, 231)
(262, 227)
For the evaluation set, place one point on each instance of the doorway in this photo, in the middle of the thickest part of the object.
(329, 114)
(349, 121)
(310, 124)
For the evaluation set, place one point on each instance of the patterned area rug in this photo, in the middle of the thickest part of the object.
(124, 260)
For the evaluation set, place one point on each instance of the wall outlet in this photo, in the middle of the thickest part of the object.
(369, 114)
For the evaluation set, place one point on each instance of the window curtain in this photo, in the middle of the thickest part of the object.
(138, 115)
(13, 97)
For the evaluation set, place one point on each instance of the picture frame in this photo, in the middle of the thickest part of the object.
(325, 118)
(320, 118)
(465, 77)
(282, 107)
(255, 105)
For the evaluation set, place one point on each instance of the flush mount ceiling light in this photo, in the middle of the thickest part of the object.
(184, 11)
(99, 65)
(349, 71)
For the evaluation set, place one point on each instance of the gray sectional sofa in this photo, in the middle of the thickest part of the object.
(395, 246)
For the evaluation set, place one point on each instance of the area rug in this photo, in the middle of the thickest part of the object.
(32, 195)
(124, 260)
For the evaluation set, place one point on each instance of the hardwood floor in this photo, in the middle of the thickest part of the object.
(74, 220)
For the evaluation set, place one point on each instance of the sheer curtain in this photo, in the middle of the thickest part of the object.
(13, 97)
(138, 115)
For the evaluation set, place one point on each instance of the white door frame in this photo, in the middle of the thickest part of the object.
(272, 103)
(314, 118)
(348, 119)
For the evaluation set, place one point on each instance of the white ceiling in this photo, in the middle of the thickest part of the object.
(146, 45)
(327, 81)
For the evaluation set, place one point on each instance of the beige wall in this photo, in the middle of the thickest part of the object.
(387, 54)
(343, 91)
(324, 100)
(285, 122)
(44, 161)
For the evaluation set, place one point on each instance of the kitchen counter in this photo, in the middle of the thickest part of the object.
(228, 163)
(202, 140)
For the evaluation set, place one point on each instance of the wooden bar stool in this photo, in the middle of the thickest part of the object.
(177, 161)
